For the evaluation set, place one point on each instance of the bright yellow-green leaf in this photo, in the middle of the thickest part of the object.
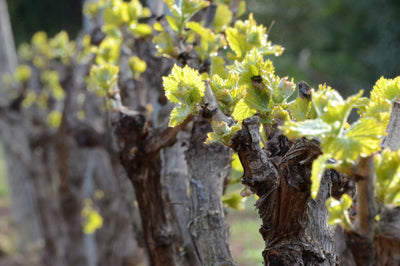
(29, 99)
(218, 67)
(223, 17)
(314, 127)
(361, 139)
(283, 91)
(39, 38)
(317, 171)
(137, 66)
(368, 132)
(280, 115)
(173, 23)
(117, 14)
(236, 169)
(386, 88)
(179, 114)
(61, 47)
(165, 45)
(157, 26)
(92, 219)
(241, 8)
(54, 119)
(184, 86)
(387, 183)
(50, 80)
(242, 111)
(140, 29)
(300, 109)
(22, 73)
(233, 200)
(338, 211)
(136, 10)
(108, 52)
(221, 133)
(210, 42)
(104, 76)
(90, 9)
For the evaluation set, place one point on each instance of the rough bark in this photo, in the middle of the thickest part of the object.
(294, 225)
(8, 56)
(208, 168)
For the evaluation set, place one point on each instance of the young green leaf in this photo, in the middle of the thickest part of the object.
(233, 200)
(387, 183)
(300, 109)
(184, 86)
(22, 73)
(317, 171)
(137, 66)
(338, 211)
(179, 114)
(242, 111)
(104, 76)
(108, 52)
(221, 133)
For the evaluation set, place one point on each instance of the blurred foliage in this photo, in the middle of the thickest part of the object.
(348, 44)
(30, 16)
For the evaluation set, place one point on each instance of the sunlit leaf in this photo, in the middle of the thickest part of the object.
(300, 109)
(233, 200)
(338, 211)
(179, 114)
(223, 17)
(387, 169)
(317, 171)
(184, 86)
(242, 111)
(54, 119)
(314, 127)
(92, 220)
(22, 73)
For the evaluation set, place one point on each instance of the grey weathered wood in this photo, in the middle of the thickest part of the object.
(8, 57)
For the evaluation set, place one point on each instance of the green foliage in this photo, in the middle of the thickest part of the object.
(387, 183)
(236, 169)
(223, 17)
(184, 87)
(301, 109)
(245, 36)
(343, 145)
(50, 80)
(92, 220)
(183, 12)
(137, 66)
(233, 200)
(338, 211)
(210, 42)
(22, 73)
(54, 119)
(105, 77)
(221, 133)
(108, 51)
(384, 93)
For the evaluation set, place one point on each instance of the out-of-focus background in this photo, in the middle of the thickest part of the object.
(347, 44)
